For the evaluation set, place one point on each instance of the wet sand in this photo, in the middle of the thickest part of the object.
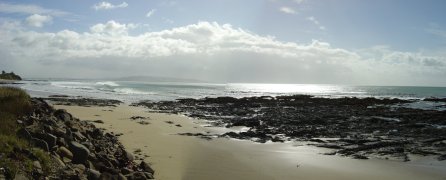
(176, 157)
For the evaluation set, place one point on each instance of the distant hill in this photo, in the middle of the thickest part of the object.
(10, 76)
(156, 79)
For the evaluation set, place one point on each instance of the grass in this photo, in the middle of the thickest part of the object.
(15, 103)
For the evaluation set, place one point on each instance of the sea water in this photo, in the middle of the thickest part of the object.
(132, 91)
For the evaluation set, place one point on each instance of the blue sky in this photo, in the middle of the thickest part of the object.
(404, 38)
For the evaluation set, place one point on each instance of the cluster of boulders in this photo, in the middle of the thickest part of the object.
(355, 127)
(78, 149)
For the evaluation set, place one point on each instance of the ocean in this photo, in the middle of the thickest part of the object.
(131, 91)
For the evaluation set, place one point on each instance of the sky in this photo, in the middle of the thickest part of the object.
(379, 42)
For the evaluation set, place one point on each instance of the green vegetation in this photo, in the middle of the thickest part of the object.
(9, 76)
(15, 152)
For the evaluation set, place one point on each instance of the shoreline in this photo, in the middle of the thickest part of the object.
(182, 157)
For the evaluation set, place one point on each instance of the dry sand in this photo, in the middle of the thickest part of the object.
(176, 157)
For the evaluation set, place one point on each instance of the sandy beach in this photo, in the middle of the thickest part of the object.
(175, 156)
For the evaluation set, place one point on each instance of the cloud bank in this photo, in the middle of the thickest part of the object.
(209, 51)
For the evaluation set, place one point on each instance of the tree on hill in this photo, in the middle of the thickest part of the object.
(10, 76)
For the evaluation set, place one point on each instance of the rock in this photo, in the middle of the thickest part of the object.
(62, 114)
(61, 142)
(121, 177)
(40, 144)
(149, 175)
(19, 176)
(50, 139)
(58, 162)
(23, 133)
(64, 152)
(37, 167)
(146, 167)
(128, 156)
(136, 176)
(442, 157)
(79, 168)
(126, 171)
(108, 176)
(93, 174)
(80, 153)
(59, 132)
(358, 156)
(98, 121)
(78, 136)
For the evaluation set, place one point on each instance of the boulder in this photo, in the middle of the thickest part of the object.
(40, 144)
(126, 171)
(149, 175)
(23, 133)
(49, 139)
(128, 156)
(64, 152)
(37, 167)
(108, 176)
(136, 176)
(62, 114)
(58, 162)
(80, 153)
(146, 167)
(93, 174)
(79, 168)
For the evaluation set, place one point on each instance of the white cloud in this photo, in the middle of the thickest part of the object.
(316, 22)
(112, 28)
(106, 5)
(29, 9)
(37, 20)
(151, 12)
(287, 10)
(213, 52)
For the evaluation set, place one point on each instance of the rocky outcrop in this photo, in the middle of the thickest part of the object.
(10, 76)
(354, 127)
(79, 149)
(79, 101)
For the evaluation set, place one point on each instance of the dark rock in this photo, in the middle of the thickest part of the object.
(149, 175)
(79, 168)
(23, 133)
(137, 176)
(109, 176)
(358, 156)
(37, 167)
(98, 121)
(40, 144)
(146, 167)
(80, 153)
(442, 157)
(62, 114)
(128, 156)
(65, 153)
(126, 171)
(50, 139)
(93, 174)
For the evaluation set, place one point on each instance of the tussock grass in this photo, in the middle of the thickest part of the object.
(14, 103)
